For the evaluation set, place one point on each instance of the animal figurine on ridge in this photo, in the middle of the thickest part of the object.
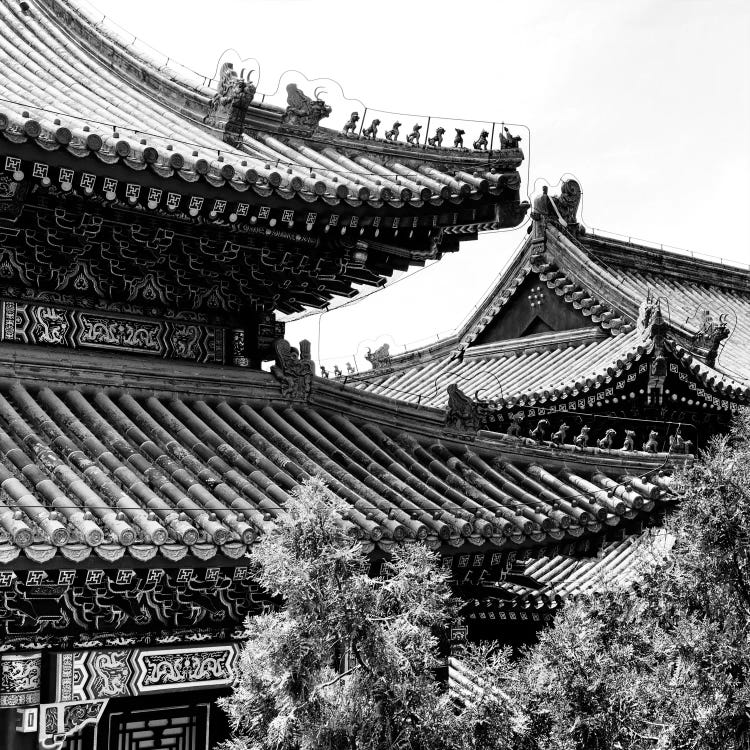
(351, 124)
(539, 433)
(414, 136)
(652, 445)
(437, 140)
(606, 442)
(629, 444)
(558, 438)
(372, 132)
(458, 141)
(581, 440)
(480, 144)
(392, 134)
(514, 428)
(508, 140)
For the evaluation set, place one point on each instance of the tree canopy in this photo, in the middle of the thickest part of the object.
(349, 661)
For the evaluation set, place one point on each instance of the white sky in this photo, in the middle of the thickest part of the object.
(646, 102)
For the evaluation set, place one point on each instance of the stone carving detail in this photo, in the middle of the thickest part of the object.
(461, 413)
(380, 357)
(480, 144)
(652, 444)
(558, 437)
(647, 313)
(437, 140)
(509, 141)
(629, 444)
(228, 107)
(581, 440)
(539, 433)
(19, 679)
(392, 134)
(562, 208)
(710, 335)
(351, 124)
(371, 132)
(458, 141)
(567, 202)
(60, 720)
(294, 372)
(302, 112)
(607, 441)
(413, 137)
(678, 445)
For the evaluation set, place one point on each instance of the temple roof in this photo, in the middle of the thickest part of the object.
(70, 85)
(553, 363)
(104, 456)
(594, 280)
(547, 581)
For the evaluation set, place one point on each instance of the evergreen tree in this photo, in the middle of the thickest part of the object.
(665, 665)
(349, 661)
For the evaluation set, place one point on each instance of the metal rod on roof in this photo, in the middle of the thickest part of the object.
(492, 137)
(362, 122)
(427, 134)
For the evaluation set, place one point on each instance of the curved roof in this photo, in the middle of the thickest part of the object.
(112, 465)
(70, 85)
(606, 281)
(553, 365)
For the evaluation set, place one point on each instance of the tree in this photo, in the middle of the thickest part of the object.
(667, 664)
(349, 660)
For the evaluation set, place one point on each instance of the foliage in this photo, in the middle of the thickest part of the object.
(350, 660)
(665, 665)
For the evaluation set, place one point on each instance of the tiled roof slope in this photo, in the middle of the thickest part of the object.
(689, 285)
(67, 84)
(119, 463)
(607, 281)
(550, 363)
(560, 577)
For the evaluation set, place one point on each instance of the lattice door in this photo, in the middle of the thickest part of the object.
(172, 728)
(83, 740)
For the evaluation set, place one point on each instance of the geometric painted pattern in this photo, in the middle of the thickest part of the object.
(114, 673)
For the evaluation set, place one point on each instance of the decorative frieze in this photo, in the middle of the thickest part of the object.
(20, 679)
(59, 605)
(31, 323)
(117, 673)
(61, 720)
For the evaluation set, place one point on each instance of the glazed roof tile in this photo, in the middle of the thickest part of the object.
(555, 579)
(516, 367)
(109, 470)
(601, 279)
(68, 84)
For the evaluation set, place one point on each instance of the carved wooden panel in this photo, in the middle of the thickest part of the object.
(32, 323)
(90, 608)
(118, 673)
